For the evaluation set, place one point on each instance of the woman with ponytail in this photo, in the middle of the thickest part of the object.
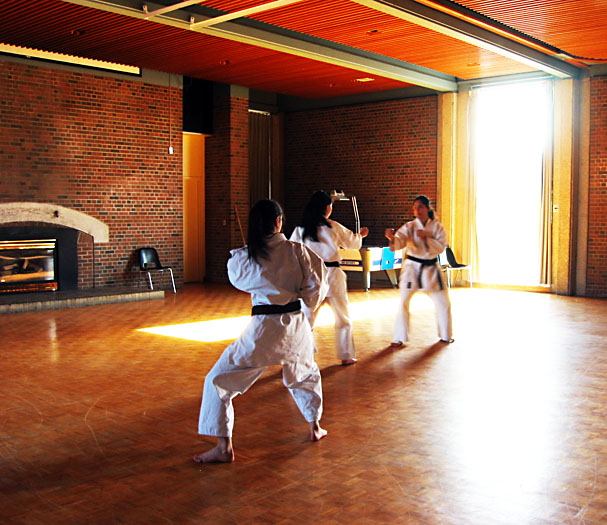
(326, 237)
(278, 274)
(424, 239)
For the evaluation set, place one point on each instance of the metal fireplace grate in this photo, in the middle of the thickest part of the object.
(28, 265)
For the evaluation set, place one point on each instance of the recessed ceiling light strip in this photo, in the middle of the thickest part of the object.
(68, 59)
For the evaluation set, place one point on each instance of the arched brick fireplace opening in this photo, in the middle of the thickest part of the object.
(62, 258)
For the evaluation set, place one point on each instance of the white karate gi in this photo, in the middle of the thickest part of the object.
(330, 240)
(292, 271)
(431, 277)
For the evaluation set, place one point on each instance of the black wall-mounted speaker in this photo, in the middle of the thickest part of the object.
(197, 105)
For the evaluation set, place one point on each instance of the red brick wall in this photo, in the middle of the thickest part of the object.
(85, 260)
(596, 277)
(100, 146)
(383, 153)
(226, 183)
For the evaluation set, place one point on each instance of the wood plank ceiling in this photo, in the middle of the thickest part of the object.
(319, 49)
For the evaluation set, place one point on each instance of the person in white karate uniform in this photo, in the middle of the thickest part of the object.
(424, 239)
(326, 237)
(278, 274)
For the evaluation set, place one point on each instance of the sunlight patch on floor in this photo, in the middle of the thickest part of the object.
(230, 328)
(203, 331)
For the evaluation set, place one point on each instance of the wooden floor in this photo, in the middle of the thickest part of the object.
(507, 425)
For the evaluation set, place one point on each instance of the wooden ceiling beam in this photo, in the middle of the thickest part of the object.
(287, 42)
(161, 11)
(464, 31)
(243, 12)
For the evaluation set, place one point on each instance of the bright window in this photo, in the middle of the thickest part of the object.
(512, 128)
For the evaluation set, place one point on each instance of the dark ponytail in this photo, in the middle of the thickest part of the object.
(314, 214)
(426, 202)
(262, 222)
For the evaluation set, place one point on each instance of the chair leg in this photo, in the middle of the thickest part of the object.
(150, 281)
(172, 280)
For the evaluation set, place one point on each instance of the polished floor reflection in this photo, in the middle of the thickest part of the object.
(506, 425)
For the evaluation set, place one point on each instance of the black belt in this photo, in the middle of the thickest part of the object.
(265, 309)
(332, 264)
(426, 262)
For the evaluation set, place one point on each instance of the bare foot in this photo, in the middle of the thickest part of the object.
(316, 432)
(346, 362)
(215, 455)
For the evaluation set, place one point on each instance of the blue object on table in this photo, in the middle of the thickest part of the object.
(387, 259)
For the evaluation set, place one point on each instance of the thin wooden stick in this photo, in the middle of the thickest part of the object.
(239, 225)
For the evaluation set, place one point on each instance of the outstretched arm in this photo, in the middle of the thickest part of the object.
(346, 238)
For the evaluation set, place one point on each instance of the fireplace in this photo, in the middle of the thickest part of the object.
(28, 265)
(38, 258)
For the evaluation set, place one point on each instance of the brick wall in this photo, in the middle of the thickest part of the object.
(383, 153)
(596, 278)
(226, 183)
(98, 145)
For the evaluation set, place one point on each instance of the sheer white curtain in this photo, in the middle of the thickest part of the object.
(462, 233)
